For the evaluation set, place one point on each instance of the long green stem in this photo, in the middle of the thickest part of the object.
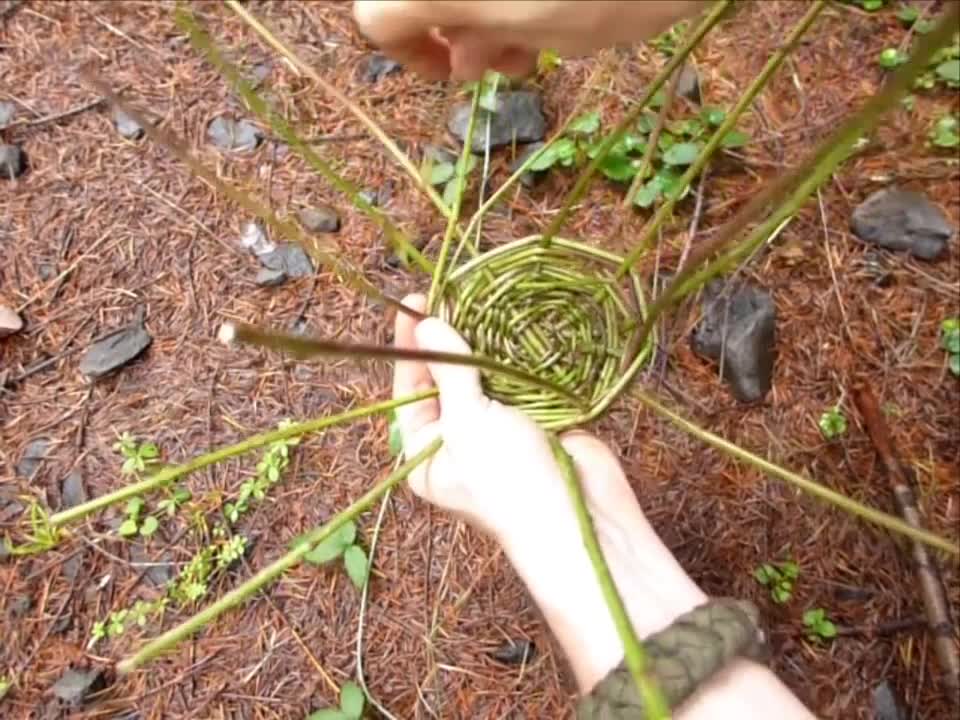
(303, 347)
(168, 475)
(653, 700)
(460, 178)
(573, 197)
(201, 40)
(815, 489)
(775, 61)
(267, 575)
(796, 186)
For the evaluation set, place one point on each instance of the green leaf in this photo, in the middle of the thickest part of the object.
(780, 594)
(647, 195)
(892, 58)
(149, 526)
(586, 124)
(713, 116)
(790, 570)
(826, 629)
(440, 173)
(134, 506)
(735, 139)
(872, 5)
(954, 364)
(618, 167)
(273, 473)
(922, 27)
(149, 451)
(950, 72)
(813, 616)
(658, 99)
(908, 14)
(396, 437)
(763, 574)
(182, 495)
(329, 714)
(355, 560)
(130, 465)
(548, 61)
(682, 154)
(450, 193)
(832, 423)
(128, 527)
(562, 150)
(351, 700)
(670, 183)
(646, 122)
(666, 141)
(333, 546)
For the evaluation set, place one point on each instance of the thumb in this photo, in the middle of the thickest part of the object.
(459, 385)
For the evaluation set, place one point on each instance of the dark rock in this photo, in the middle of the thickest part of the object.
(158, 571)
(71, 567)
(519, 117)
(13, 162)
(74, 686)
(33, 455)
(378, 66)
(514, 652)
(379, 197)
(73, 492)
(7, 112)
(226, 133)
(289, 258)
(902, 220)
(688, 85)
(885, 703)
(10, 321)
(46, 270)
(741, 327)
(323, 219)
(529, 178)
(126, 125)
(116, 350)
(270, 278)
(19, 606)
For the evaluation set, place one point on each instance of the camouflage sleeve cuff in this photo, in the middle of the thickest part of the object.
(680, 658)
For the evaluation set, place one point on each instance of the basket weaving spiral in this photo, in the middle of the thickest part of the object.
(557, 311)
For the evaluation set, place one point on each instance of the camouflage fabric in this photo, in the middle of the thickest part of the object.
(680, 659)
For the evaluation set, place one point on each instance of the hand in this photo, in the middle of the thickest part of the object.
(463, 38)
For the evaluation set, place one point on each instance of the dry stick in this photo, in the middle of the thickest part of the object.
(928, 576)
(265, 111)
(793, 189)
(587, 175)
(275, 569)
(349, 275)
(654, 704)
(808, 486)
(775, 61)
(168, 475)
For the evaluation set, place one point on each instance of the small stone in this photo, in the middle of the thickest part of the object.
(270, 278)
(519, 117)
(688, 85)
(126, 125)
(13, 162)
(19, 606)
(378, 66)
(514, 652)
(73, 492)
(321, 219)
(529, 178)
(254, 238)
(10, 321)
(260, 72)
(902, 220)
(74, 686)
(226, 133)
(289, 258)
(885, 703)
(379, 197)
(741, 329)
(46, 270)
(7, 112)
(33, 455)
(71, 567)
(116, 350)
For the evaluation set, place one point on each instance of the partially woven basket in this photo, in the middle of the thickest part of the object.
(557, 311)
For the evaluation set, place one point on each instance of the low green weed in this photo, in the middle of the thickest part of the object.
(352, 701)
(833, 423)
(950, 341)
(342, 544)
(819, 626)
(779, 578)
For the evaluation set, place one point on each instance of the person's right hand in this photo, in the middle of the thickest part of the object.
(460, 39)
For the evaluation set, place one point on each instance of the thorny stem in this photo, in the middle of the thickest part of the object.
(775, 61)
(267, 575)
(653, 701)
(168, 475)
(587, 175)
(810, 487)
(303, 347)
(790, 191)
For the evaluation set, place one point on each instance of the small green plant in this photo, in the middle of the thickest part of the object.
(351, 705)
(868, 5)
(891, 58)
(395, 436)
(547, 62)
(946, 132)
(170, 505)
(342, 544)
(268, 471)
(779, 578)
(135, 522)
(833, 423)
(137, 456)
(43, 536)
(118, 621)
(668, 41)
(819, 626)
(950, 341)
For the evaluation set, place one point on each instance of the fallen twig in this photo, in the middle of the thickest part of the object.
(928, 577)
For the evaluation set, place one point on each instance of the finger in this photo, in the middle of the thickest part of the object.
(601, 475)
(402, 30)
(459, 385)
(411, 376)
